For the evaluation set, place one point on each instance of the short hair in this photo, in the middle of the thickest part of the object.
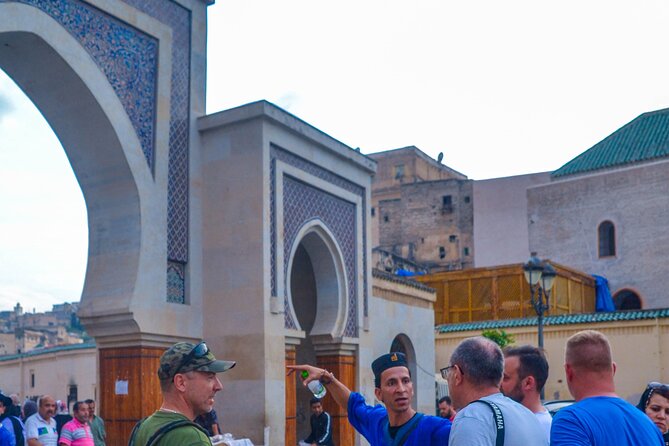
(40, 400)
(445, 399)
(481, 360)
(89, 401)
(314, 400)
(532, 363)
(589, 350)
(76, 406)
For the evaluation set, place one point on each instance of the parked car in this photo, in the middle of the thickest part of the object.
(555, 405)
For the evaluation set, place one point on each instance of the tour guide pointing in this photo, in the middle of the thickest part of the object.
(395, 424)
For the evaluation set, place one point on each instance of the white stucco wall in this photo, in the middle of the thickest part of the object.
(500, 219)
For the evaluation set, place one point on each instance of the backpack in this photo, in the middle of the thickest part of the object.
(160, 433)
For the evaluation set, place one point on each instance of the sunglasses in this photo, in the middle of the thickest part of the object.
(198, 351)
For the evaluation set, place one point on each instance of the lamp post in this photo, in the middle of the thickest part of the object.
(540, 275)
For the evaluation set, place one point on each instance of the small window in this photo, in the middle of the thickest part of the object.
(399, 171)
(422, 240)
(373, 212)
(446, 200)
(452, 238)
(607, 239)
(465, 251)
(627, 300)
(386, 219)
(442, 252)
(467, 199)
(32, 378)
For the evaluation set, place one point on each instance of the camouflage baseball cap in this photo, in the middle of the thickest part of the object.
(185, 357)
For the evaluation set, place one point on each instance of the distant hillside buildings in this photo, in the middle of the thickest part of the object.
(23, 332)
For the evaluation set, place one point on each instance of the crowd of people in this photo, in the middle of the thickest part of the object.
(495, 400)
(47, 423)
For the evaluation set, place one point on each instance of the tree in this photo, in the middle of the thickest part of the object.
(499, 337)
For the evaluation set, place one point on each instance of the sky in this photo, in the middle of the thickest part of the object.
(501, 88)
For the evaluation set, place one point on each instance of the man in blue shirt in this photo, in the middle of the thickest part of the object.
(397, 423)
(599, 417)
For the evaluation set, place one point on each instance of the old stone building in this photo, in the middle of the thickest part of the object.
(422, 210)
(605, 212)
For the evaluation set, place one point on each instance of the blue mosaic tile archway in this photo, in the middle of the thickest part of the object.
(303, 203)
(128, 58)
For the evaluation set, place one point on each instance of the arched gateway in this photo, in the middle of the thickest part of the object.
(247, 228)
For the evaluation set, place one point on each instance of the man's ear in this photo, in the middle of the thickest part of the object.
(614, 367)
(179, 381)
(529, 383)
(569, 372)
(377, 394)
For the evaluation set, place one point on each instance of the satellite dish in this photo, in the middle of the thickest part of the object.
(440, 157)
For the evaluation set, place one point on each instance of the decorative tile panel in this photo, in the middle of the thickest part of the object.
(278, 153)
(303, 203)
(179, 19)
(176, 282)
(127, 57)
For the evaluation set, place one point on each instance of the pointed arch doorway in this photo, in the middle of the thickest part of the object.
(316, 299)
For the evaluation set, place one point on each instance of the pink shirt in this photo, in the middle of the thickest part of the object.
(75, 433)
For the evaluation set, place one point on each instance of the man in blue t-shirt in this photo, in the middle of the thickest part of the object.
(599, 417)
(397, 423)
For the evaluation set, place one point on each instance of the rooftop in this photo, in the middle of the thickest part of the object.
(646, 138)
(563, 319)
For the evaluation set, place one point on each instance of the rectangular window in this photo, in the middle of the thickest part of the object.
(373, 212)
(32, 379)
(467, 199)
(465, 251)
(386, 219)
(399, 171)
(452, 238)
(442, 252)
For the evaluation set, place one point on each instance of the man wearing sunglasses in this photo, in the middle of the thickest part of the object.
(599, 416)
(485, 416)
(188, 383)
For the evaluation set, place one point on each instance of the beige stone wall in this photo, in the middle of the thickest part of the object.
(565, 214)
(500, 216)
(53, 373)
(639, 350)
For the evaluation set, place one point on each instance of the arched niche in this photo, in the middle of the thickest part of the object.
(402, 343)
(317, 283)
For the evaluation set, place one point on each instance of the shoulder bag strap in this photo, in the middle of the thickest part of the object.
(155, 438)
(498, 418)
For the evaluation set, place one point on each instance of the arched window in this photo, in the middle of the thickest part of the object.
(607, 239)
(627, 300)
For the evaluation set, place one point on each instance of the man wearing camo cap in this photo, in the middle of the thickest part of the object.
(188, 383)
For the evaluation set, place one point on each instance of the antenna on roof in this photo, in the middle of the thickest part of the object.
(440, 157)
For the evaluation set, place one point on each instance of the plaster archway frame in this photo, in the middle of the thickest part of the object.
(125, 198)
(330, 277)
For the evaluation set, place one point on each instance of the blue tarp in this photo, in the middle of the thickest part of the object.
(406, 273)
(603, 299)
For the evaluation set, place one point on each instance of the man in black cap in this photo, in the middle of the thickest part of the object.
(188, 383)
(395, 424)
(10, 422)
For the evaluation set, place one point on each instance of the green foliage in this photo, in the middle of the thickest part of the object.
(499, 337)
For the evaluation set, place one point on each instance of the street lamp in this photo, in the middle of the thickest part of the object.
(540, 275)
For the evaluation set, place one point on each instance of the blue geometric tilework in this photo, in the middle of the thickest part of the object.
(303, 203)
(127, 57)
(176, 282)
(317, 171)
(179, 19)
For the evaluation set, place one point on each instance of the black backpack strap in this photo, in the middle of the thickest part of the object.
(133, 434)
(18, 430)
(498, 418)
(160, 433)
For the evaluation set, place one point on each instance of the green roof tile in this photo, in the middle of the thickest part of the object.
(46, 351)
(563, 319)
(644, 139)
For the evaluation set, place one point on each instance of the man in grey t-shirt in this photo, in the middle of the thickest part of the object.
(474, 377)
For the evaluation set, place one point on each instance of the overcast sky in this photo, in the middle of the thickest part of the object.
(501, 88)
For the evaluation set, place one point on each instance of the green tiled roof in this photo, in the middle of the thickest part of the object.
(563, 319)
(46, 351)
(644, 139)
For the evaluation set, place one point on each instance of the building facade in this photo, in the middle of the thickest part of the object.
(422, 210)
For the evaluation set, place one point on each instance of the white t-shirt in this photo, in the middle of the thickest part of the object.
(545, 419)
(474, 425)
(45, 432)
